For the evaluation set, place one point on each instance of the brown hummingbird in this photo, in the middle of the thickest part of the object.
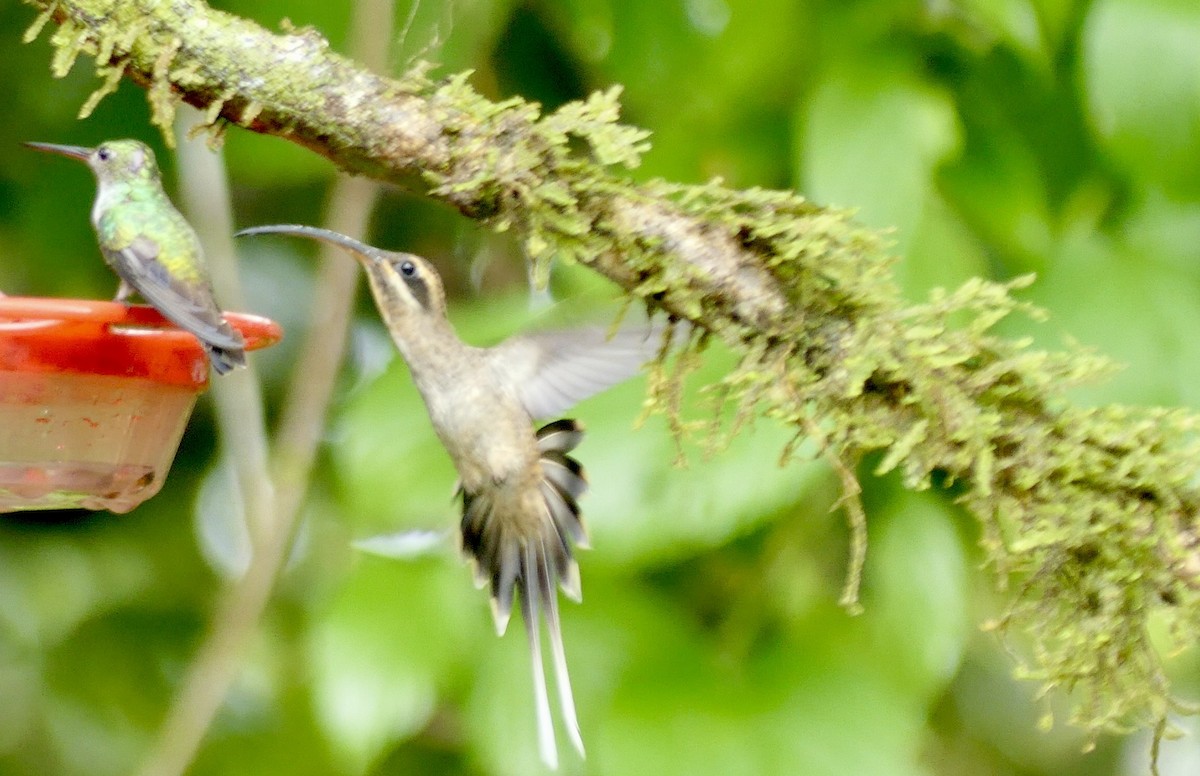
(519, 486)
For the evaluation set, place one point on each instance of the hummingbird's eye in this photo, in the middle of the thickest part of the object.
(408, 269)
(104, 154)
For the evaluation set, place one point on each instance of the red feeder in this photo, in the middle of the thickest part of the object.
(94, 397)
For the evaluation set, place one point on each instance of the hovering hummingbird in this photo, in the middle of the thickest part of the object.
(519, 487)
(150, 245)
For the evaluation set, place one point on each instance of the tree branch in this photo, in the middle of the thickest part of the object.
(489, 160)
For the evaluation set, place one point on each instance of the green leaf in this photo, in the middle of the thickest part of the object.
(1014, 22)
(943, 252)
(711, 78)
(917, 582)
(1131, 308)
(1141, 71)
(642, 509)
(873, 136)
(386, 646)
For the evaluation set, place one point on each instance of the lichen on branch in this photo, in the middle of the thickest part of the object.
(1088, 514)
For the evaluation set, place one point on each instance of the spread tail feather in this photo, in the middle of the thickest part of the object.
(531, 594)
(538, 594)
(532, 567)
(562, 679)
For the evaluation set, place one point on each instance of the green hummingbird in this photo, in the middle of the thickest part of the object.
(151, 246)
(519, 487)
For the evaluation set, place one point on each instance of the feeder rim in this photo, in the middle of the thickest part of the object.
(259, 332)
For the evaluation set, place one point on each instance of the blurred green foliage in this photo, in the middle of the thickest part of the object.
(994, 136)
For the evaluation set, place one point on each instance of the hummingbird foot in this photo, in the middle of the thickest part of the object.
(124, 291)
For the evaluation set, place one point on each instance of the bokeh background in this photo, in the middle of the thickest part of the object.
(994, 137)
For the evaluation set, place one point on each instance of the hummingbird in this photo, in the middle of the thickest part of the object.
(151, 246)
(519, 487)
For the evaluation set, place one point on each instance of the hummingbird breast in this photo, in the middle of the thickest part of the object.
(483, 427)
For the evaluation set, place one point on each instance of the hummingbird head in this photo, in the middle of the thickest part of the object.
(403, 284)
(113, 161)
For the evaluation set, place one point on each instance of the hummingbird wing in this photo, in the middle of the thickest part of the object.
(188, 303)
(553, 371)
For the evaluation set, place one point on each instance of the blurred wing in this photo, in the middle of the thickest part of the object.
(552, 371)
(189, 305)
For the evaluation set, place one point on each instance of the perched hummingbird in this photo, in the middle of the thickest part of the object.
(519, 487)
(150, 245)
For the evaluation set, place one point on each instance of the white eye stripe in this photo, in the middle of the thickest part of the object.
(410, 289)
(407, 282)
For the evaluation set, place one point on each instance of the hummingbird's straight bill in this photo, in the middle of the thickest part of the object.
(151, 246)
(519, 487)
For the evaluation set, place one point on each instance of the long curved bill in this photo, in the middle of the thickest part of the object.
(360, 251)
(75, 152)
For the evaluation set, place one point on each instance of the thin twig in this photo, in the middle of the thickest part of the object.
(314, 376)
(240, 418)
(204, 197)
(272, 503)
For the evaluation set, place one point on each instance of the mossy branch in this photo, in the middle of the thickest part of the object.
(1090, 511)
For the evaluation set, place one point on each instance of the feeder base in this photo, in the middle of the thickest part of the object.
(86, 441)
(115, 487)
